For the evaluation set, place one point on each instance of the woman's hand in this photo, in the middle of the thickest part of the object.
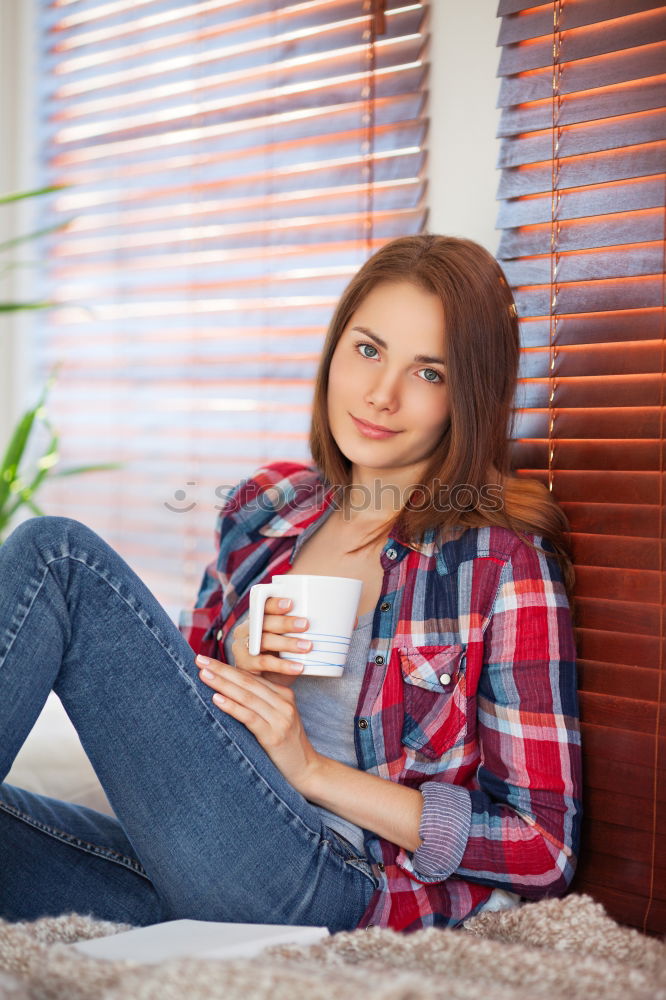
(273, 640)
(269, 711)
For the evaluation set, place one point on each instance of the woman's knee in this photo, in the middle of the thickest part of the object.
(51, 533)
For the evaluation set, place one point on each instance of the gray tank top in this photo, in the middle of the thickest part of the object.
(326, 706)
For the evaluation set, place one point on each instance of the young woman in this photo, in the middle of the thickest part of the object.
(439, 775)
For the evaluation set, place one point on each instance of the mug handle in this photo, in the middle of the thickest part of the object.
(259, 594)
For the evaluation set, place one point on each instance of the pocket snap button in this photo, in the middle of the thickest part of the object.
(219, 634)
(445, 679)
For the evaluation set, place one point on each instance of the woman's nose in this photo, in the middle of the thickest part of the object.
(383, 393)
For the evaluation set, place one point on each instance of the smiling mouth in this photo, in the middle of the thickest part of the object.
(363, 425)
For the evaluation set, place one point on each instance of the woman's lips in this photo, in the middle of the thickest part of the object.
(368, 430)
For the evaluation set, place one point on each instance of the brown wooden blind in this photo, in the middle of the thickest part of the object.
(231, 165)
(582, 219)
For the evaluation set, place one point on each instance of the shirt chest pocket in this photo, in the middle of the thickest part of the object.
(434, 697)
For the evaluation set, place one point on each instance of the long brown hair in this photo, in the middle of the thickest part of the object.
(482, 349)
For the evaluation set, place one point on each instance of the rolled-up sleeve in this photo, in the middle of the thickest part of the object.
(444, 830)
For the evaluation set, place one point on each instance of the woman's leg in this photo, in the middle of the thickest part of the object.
(215, 827)
(57, 857)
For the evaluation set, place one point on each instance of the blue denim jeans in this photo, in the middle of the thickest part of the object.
(207, 827)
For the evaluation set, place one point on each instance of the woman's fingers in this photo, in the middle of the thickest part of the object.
(273, 641)
(254, 693)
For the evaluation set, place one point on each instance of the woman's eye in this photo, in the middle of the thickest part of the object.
(438, 377)
(362, 345)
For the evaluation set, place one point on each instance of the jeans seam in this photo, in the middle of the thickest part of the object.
(20, 625)
(84, 845)
(102, 576)
(183, 672)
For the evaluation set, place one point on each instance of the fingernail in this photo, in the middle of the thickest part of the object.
(300, 622)
(296, 667)
(303, 644)
(284, 603)
(207, 674)
(202, 659)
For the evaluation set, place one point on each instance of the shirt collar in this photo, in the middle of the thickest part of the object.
(295, 520)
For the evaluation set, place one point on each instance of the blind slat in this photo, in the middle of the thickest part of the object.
(626, 261)
(634, 226)
(607, 295)
(590, 137)
(595, 613)
(607, 36)
(620, 421)
(584, 393)
(593, 454)
(636, 194)
(592, 168)
(586, 74)
(539, 22)
(625, 650)
(625, 99)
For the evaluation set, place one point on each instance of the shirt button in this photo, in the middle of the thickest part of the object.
(391, 554)
(219, 634)
(379, 659)
(362, 723)
(385, 606)
(445, 679)
(380, 865)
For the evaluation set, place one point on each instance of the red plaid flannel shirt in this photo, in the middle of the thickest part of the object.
(469, 694)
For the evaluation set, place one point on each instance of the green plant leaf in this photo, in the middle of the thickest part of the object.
(8, 307)
(77, 469)
(14, 453)
(25, 493)
(16, 446)
(35, 193)
(14, 492)
(17, 240)
(34, 508)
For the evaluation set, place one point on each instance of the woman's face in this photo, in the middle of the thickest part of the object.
(388, 369)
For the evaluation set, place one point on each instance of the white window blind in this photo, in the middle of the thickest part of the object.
(229, 165)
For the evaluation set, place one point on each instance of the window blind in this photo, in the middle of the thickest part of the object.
(229, 166)
(582, 220)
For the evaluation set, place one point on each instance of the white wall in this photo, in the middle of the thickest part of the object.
(463, 149)
(462, 146)
(17, 173)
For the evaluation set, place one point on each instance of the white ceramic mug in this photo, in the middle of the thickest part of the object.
(328, 602)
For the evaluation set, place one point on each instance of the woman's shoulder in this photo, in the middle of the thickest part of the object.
(270, 487)
(490, 542)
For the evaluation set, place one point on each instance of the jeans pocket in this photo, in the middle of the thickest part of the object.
(351, 855)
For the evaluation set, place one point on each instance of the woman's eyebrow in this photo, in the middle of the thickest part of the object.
(421, 358)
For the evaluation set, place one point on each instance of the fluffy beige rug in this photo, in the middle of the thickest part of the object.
(553, 949)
